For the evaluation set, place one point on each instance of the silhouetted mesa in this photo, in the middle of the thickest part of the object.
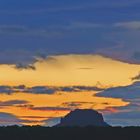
(82, 118)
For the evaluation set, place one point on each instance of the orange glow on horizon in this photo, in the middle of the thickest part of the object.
(87, 100)
(66, 70)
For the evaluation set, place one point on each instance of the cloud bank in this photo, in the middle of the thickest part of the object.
(128, 115)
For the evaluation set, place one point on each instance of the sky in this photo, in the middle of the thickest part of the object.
(57, 56)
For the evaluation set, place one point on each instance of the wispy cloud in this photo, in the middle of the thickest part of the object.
(50, 108)
(45, 89)
(85, 68)
(131, 25)
(12, 103)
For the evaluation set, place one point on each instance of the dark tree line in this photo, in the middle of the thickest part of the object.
(69, 133)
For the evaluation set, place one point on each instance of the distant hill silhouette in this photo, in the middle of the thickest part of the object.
(82, 118)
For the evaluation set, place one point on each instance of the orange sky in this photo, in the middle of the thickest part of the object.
(66, 70)
(71, 70)
(87, 99)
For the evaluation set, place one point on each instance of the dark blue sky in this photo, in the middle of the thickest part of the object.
(47, 27)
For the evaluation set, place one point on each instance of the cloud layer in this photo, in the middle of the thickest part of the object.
(128, 115)
(45, 89)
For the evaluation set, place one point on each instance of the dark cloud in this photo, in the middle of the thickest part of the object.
(19, 59)
(6, 89)
(10, 119)
(35, 117)
(25, 106)
(75, 105)
(125, 92)
(79, 89)
(22, 66)
(45, 89)
(137, 77)
(12, 103)
(50, 108)
(41, 90)
(9, 89)
(127, 115)
(43, 108)
(72, 104)
(22, 88)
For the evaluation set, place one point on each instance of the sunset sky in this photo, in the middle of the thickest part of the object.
(60, 55)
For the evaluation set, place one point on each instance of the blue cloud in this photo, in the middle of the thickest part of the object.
(45, 89)
(126, 93)
(12, 103)
(7, 119)
(127, 115)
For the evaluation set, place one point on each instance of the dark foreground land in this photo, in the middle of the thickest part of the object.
(69, 133)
